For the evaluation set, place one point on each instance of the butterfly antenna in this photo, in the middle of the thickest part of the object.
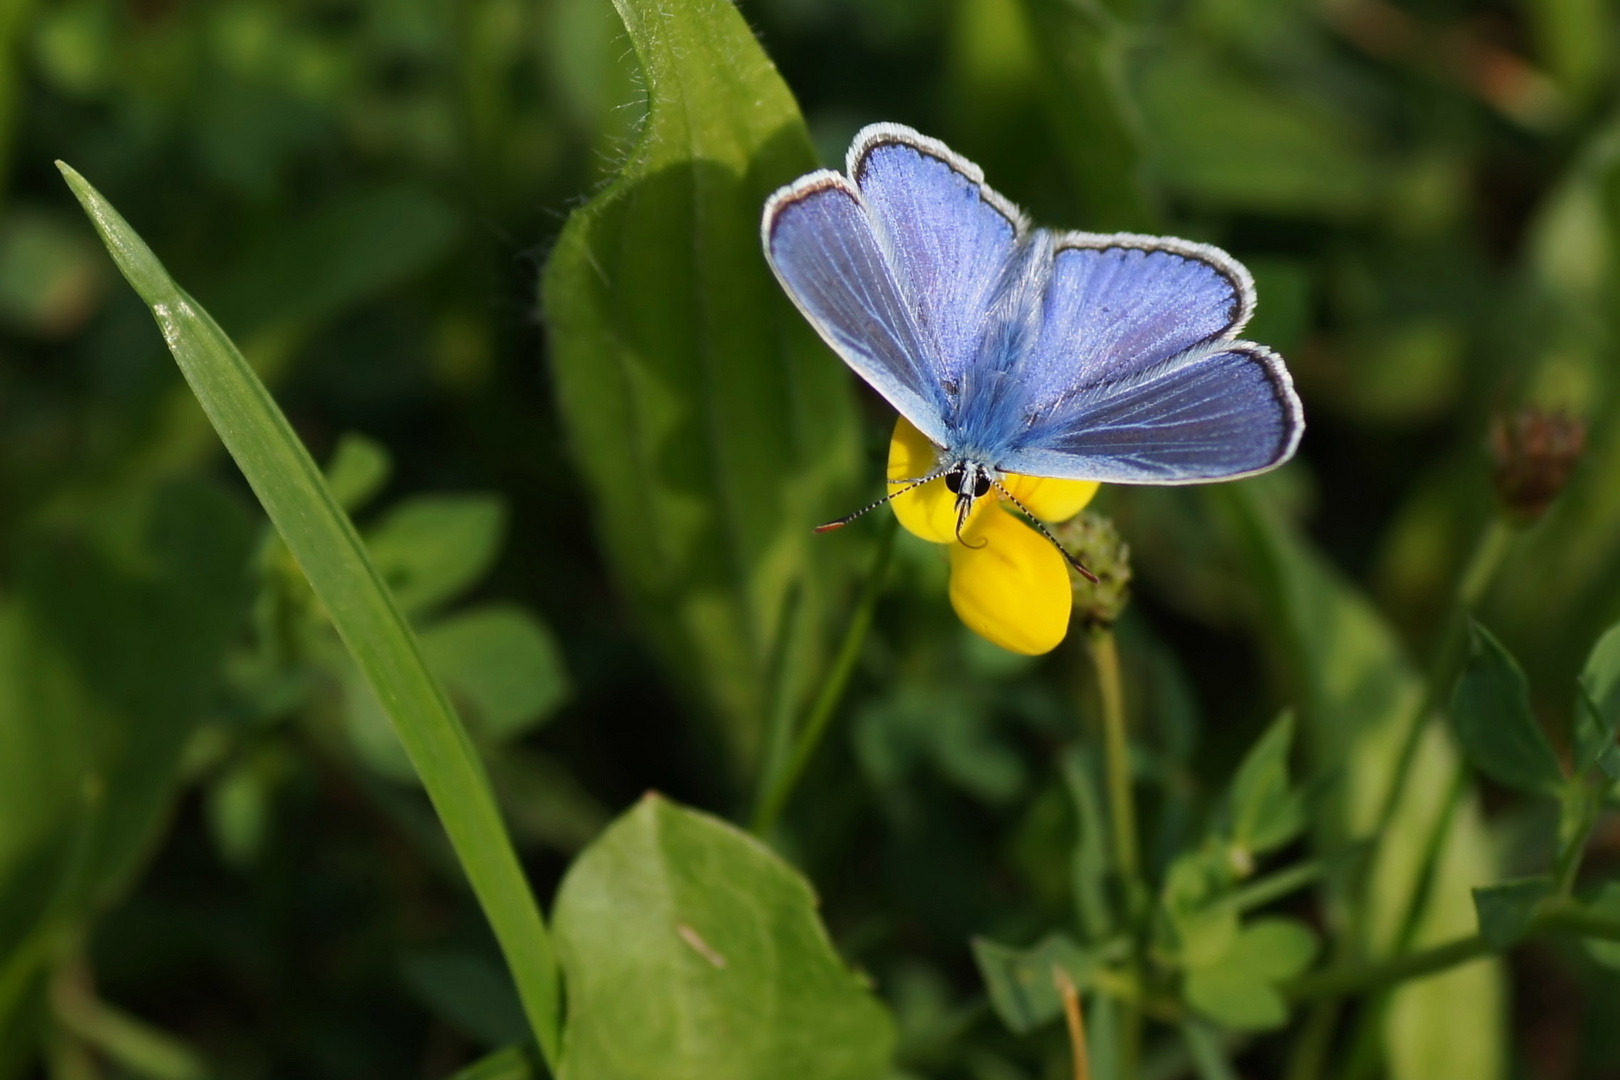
(1040, 527)
(914, 485)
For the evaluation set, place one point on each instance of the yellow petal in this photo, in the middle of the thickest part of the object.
(1014, 589)
(928, 511)
(1048, 499)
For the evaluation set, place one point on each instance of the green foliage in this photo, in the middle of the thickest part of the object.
(321, 538)
(1505, 910)
(1239, 987)
(710, 424)
(1023, 982)
(647, 941)
(595, 522)
(1597, 708)
(1491, 711)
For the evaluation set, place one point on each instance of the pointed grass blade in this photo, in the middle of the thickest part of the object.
(322, 539)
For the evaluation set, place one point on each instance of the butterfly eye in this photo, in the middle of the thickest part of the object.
(981, 486)
(953, 481)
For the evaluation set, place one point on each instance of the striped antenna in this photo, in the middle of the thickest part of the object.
(914, 485)
(1079, 567)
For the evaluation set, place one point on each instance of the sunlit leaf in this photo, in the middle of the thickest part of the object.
(501, 664)
(672, 915)
(710, 424)
(1265, 812)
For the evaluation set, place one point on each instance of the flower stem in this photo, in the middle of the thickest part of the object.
(779, 787)
(1121, 808)
(1122, 820)
(1347, 980)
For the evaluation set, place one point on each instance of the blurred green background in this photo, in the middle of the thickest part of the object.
(205, 814)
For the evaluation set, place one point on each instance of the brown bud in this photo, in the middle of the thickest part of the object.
(1533, 452)
(1095, 541)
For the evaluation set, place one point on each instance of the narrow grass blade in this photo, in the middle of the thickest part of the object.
(363, 610)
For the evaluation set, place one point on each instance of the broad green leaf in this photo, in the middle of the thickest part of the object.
(433, 547)
(358, 470)
(327, 548)
(1023, 982)
(467, 991)
(1597, 707)
(1356, 693)
(712, 427)
(1505, 910)
(1490, 710)
(1265, 813)
(692, 951)
(501, 665)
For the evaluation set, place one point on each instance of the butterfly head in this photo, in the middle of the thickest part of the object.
(969, 481)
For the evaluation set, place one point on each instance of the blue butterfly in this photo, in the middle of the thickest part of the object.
(1078, 356)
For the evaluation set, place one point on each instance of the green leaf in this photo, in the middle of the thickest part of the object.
(500, 664)
(1196, 926)
(1022, 982)
(371, 624)
(1239, 989)
(1597, 707)
(1490, 709)
(711, 425)
(433, 547)
(1264, 812)
(1276, 949)
(1505, 910)
(1235, 998)
(671, 916)
(1606, 901)
(358, 470)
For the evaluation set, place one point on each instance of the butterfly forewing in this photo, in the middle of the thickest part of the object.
(822, 246)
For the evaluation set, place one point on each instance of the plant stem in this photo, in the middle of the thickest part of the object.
(1569, 859)
(780, 787)
(1122, 820)
(1121, 808)
(1347, 980)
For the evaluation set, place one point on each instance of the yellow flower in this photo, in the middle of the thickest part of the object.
(1008, 584)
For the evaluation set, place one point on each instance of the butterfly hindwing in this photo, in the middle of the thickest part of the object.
(1216, 411)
